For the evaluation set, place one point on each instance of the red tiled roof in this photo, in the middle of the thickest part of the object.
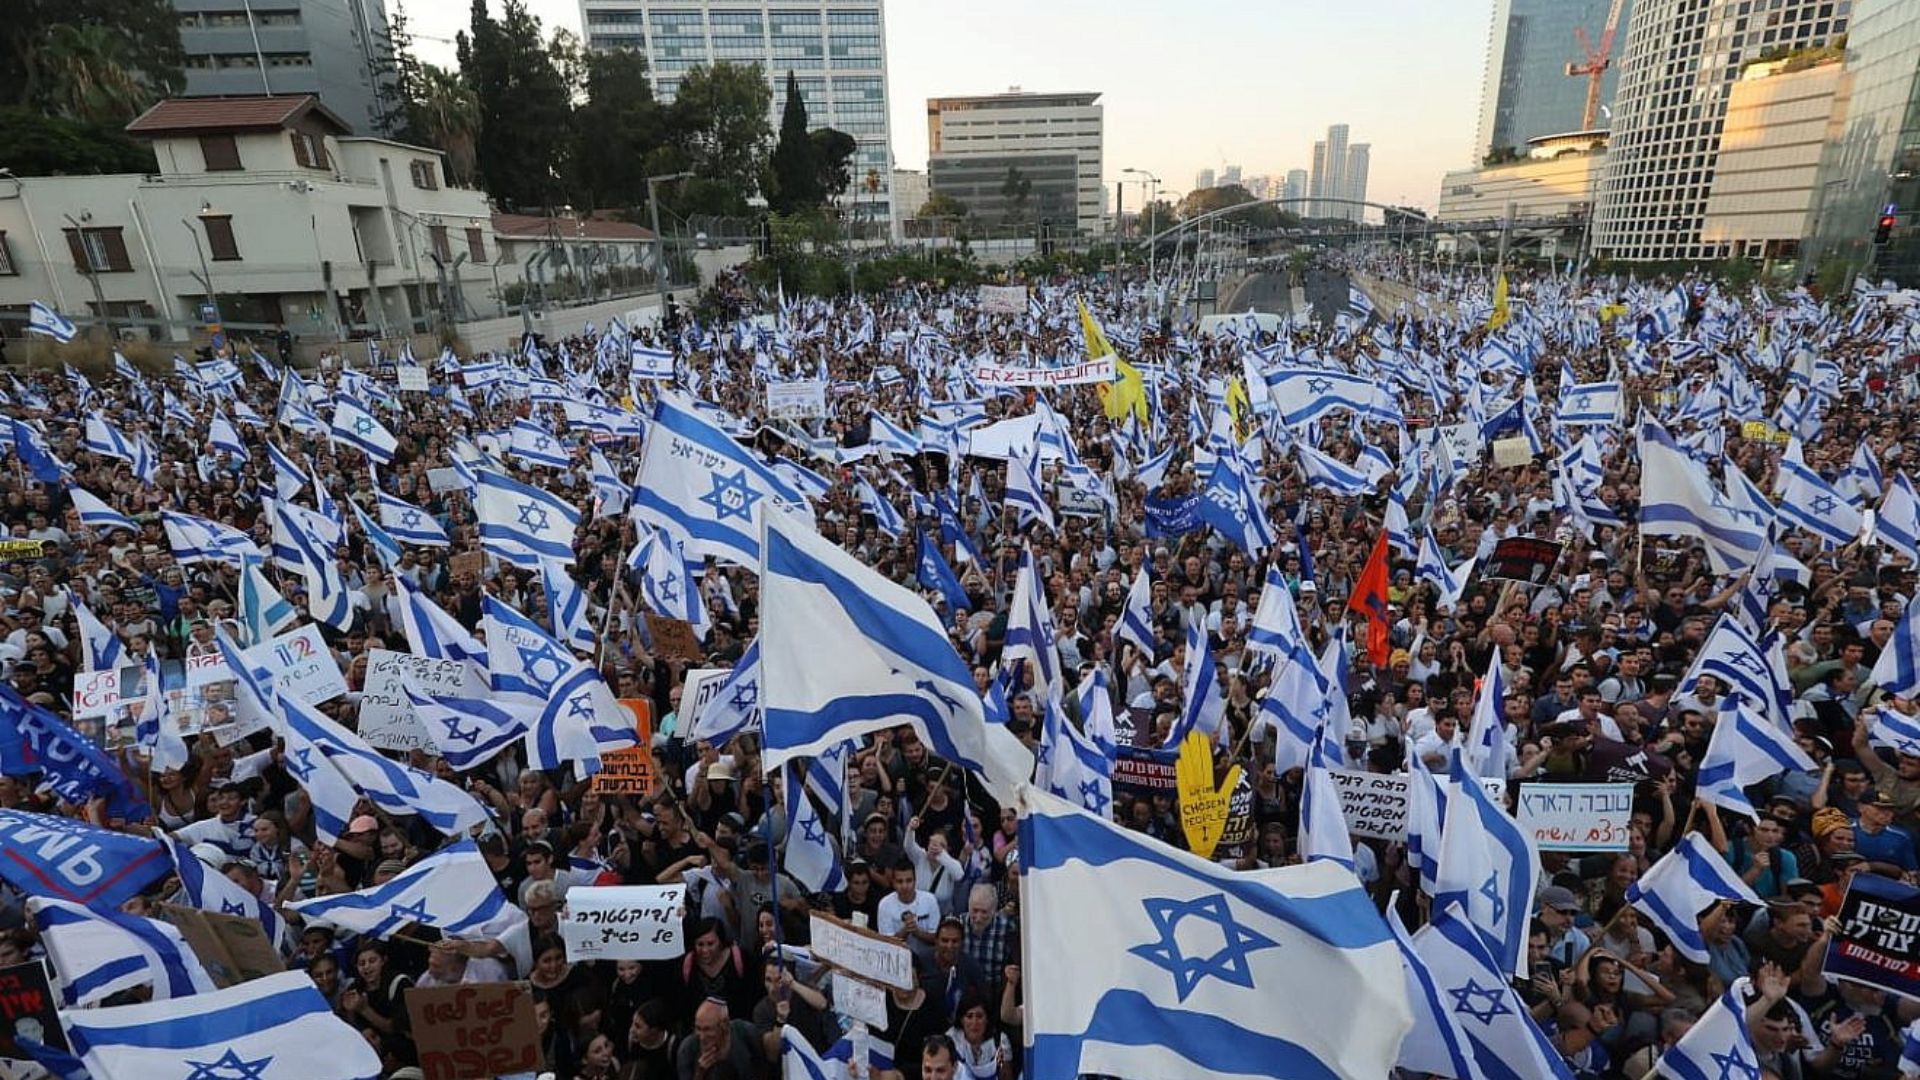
(230, 114)
(535, 226)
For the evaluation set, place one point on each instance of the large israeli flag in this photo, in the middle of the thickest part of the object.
(1489, 867)
(706, 488)
(392, 786)
(452, 890)
(1303, 395)
(1675, 890)
(469, 731)
(278, 1027)
(1899, 520)
(523, 524)
(98, 952)
(1744, 750)
(892, 663)
(1590, 404)
(1809, 502)
(1504, 1042)
(355, 426)
(1145, 961)
(409, 524)
(535, 445)
(1677, 498)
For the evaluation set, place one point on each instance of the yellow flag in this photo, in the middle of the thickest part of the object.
(1499, 317)
(1238, 406)
(1127, 393)
(1097, 345)
(1609, 312)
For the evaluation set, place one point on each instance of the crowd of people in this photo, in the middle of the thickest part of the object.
(1597, 660)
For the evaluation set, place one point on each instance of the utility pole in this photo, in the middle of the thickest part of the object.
(659, 242)
(93, 273)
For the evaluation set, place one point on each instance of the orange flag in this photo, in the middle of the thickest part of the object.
(1369, 600)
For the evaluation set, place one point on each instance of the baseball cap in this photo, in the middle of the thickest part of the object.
(364, 823)
(1559, 898)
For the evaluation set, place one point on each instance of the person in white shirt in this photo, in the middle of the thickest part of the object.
(1435, 748)
(908, 913)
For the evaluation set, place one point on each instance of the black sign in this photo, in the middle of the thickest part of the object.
(1523, 559)
(1879, 939)
(28, 1010)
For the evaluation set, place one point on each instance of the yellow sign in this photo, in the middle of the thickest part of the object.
(1761, 431)
(1203, 804)
(21, 549)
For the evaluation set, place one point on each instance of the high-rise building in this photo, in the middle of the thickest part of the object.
(1528, 92)
(1229, 175)
(337, 50)
(1049, 139)
(1355, 180)
(1328, 180)
(1295, 190)
(1871, 164)
(835, 48)
(1680, 59)
(1203, 180)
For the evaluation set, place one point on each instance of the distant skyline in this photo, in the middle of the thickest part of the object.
(1185, 87)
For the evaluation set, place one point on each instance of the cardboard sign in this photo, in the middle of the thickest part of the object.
(387, 719)
(857, 999)
(1576, 817)
(1879, 939)
(445, 479)
(627, 771)
(28, 1008)
(624, 922)
(474, 1030)
(232, 948)
(471, 563)
(799, 400)
(862, 952)
(1523, 559)
(412, 378)
(302, 665)
(1002, 300)
(673, 638)
(1513, 452)
(1204, 805)
(1375, 804)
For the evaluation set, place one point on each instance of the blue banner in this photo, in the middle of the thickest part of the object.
(42, 855)
(1879, 939)
(1172, 516)
(70, 765)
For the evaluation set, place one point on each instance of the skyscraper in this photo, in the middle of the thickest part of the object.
(1203, 179)
(1229, 175)
(1328, 180)
(835, 48)
(1679, 60)
(1873, 162)
(1355, 181)
(336, 49)
(1528, 92)
(1294, 189)
(1316, 181)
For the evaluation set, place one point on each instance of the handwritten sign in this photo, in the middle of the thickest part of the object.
(700, 686)
(673, 638)
(1576, 817)
(28, 1008)
(1375, 804)
(302, 665)
(857, 999)
(1879, 939)
(798, 400)
(99, 693)
(469, 563)
(627, 771)
(1086, 371)
(1203, 803)
(862, 952)
(387, 719)
(623, 922)
(412, 378)
(207, 667)
(474, 1030)
(1513, 452)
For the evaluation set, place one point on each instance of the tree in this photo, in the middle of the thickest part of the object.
(145, 36)
(1016, 188)
(940, 205)
(1208, 200)
(448, 114)
(33, 143)
(86, 74)
(721, 132)
(796, 176)
(616, 130)
(833, 161)
(524, 106)
(399, 82)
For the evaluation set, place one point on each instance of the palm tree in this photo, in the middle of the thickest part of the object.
(86, 76)
(450, 119)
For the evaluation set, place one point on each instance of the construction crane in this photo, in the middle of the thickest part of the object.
(1595, 62)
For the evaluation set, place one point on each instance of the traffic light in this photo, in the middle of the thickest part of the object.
(1884, 230)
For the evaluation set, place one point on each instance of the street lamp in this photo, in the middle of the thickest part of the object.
(1150, 201)
(206, 277)
(659, 242)
(92, 272)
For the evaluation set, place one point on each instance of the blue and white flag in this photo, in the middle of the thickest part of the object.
(1744, 750)
(328, 598)
(1136, 618)
(353, 425)
(1232, 507)
(1303, 395)
(886, 517)
(223, 436)
(1758, 673)
(810, 857)
(1205, 708)
(263, 611)
(452, 890)
(1896, 731)
(382, 542)
(535, 445)
(1331, 474)
(1489, 867)
(1590, 404)
(44, 855)
(468, 732)
(211, 890)
(1897, 671)
(103, 439)
(567, 607)
(932, 572)
(1677, 498)
(735, 707)
(1154, 962)
(1276, 628)
(391, 785)
(45, 321)
(432, 632)
(1070, 765)
(578, 717)
(196, 540)
(98, 952)
(1026, 490)
(70, 765)
(1674, 891)
(96, 514)
(1435, 1045)
(666, 581)
(409, 524)
(893, 664)
(277, 1027)
(101, 648)
(33, 453)
(1898, 523)
(1719, 1045)
(1323, 827)
(705, 488)
(1030, 633)
(649, 363)
(1504, 1042)
(523, 524)
(1806, 500)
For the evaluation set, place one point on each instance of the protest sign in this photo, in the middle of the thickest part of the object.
(444, 479)
(1523, 559)
(1204, 804)
(862, 952)
(700, 686)
(302, 665)
(1513, 452)
(1086, 371)
(28, 1009)
(1003, 300)
(1172, 516)
(99, 693)
(857, 999)
(799, 400)
(1140, 772)
(673, 638)
(1463, 442)
(21, 549)
(626, 771)
(471, 563)
(387, 719)
(1879, 939)
(232, 948)
(412, 378)
(623, 922)
(472, 1031)
(207, 667)
(1375, 804)
(1576, 817)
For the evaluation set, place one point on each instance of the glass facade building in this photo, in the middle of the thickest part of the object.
(1870, 167)
(1528, 92)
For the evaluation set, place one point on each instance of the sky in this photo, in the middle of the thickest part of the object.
(1186, 84)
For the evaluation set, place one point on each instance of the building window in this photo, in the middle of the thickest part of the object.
(309, 151)
(476, 243)
(220, 153)
(98, 251)
(220, 245)
(438, 235)
(423, 174)
(7, 268)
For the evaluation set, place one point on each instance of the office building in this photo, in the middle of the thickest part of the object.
(1203, 180)
(1527, 91)
(1294, 190)
(1328, 180)
(1678, 65)
(1230, 175)
(335, 49)
(1557, 178)
(835, 48)
(974, 142)
(1355, 179)
(1762, 196)
(1871, 163)
(909, 195)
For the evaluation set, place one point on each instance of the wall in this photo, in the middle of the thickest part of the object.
(1776, 128)
(1546, 188)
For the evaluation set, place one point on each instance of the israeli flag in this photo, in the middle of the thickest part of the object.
(263, 611)
(932, 572)
(1304, 394)
(536, 446)
(1489, 867)
(666, 583)
(384, 546)
(47, 322)
(222, 435)
(1153, 471)
(353, 425)
(1071, 765)
(1136, 618)
(578, 717)
(1030, 633)
(1677, 498)
(707, 489)
(216, 892)
(195, 540)
(98, 953)
(1675, 890)
(432, 632)
(1231, 506)
(335, 802)
(102, 649)
(103, 439)
(1898, 523)
(1590, 404)
(1735, 656)
(1323, 826)
(277, 1027)
(1503, 1041)
(1487, 747)
(567, 607)
(1026, 491)
(1431, 567)
(735, 707)
(1719, 1045)
(1895, 730)
(408, 523)
(452, 890)
(810, 856)
(1148, 961)
(885, 517)
(96, 514)
(327, 596)
(1897, 671)
(649, 363)
(1744, 750)
(1331, 474)
(523, 524)
(893, 664)
(1206, 709)
(468, 732)
(1808, 501)
(392, 786)
(890, 436)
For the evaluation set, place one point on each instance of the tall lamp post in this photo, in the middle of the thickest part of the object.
(659, 242)
(92, 272)
(210, 313)
(1149, 201)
